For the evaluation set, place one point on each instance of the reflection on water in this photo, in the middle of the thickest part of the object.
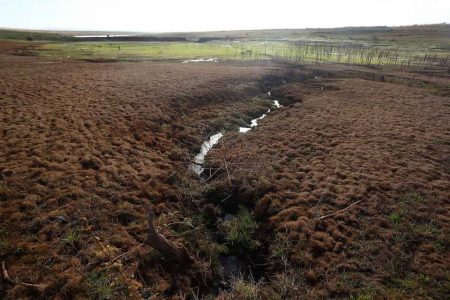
(199, 159)
(211, 59)
(254, 122)
(101, 36)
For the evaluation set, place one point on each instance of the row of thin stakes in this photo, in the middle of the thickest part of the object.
(350, 53)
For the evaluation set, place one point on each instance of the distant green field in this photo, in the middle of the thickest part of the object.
(341, 52)
(29, 35)
(136, 50)
(421, 46)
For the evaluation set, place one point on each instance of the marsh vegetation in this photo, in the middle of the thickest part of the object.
(341, 193)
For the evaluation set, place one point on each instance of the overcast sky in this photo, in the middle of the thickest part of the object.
(205, 15)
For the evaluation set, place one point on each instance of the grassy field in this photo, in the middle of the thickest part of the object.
(29, 35)
(419, 46)
(135, 51)
(343, 52)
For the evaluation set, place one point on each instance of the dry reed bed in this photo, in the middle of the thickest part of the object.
(374, 155)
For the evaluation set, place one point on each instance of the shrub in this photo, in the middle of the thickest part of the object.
(395, 217)
(100, 285)
(412, 196)
(285, 286)
(279, 251)
(239, 230)
(71, 237)
(245, 290)
(212, 251)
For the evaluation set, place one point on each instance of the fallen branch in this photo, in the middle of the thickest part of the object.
(123, 254)
(228, 174)
(339, 211)
(10, 280)
(5, 272)
(211, 175)
(160, 243)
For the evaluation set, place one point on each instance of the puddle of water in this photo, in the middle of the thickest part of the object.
(254, 122)
(101, 36)
(244, 129)
(277, 104)
(199, 159)
(228, 217)
(212, 59)
(232, 266)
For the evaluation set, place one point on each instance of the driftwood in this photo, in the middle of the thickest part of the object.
(165, 247)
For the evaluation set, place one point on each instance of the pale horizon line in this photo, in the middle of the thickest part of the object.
(220, 30)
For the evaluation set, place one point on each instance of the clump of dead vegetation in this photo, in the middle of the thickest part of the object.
(303, 205)
(304, 186)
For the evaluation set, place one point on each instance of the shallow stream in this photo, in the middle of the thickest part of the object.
(199, 159)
